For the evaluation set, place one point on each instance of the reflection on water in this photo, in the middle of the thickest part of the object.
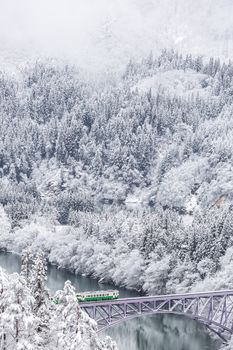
(10, 262)
(57, 278)
(160, 332)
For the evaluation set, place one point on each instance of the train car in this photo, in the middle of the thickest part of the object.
(98, 295)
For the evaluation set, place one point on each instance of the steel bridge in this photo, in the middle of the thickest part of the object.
(214, 309)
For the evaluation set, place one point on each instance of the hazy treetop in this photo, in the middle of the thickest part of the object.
(106, 32)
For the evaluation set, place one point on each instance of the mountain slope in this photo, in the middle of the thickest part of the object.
(74, 155)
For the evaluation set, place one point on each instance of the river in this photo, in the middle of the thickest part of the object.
(160, 332)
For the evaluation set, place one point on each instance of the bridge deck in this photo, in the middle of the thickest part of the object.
(220, 293)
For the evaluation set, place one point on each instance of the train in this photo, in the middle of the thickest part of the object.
(97, 295)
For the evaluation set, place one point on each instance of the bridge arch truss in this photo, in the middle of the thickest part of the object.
(214, 309)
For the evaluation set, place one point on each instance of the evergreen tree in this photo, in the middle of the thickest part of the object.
(26, 266)
(17, 319)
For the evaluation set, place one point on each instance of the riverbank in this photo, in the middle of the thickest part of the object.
(69, 247)
(117, 261)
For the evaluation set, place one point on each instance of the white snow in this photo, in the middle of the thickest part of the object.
(191, 206)
(30, 320)
(175, 82)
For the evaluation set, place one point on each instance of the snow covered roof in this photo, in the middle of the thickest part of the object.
(98, 292)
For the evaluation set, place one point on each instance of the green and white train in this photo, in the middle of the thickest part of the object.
(98, 295)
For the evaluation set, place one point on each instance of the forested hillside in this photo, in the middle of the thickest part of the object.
(130, 175)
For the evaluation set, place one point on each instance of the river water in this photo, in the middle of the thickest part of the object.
(160, 332)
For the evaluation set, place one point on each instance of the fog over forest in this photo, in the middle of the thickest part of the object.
(106, 33)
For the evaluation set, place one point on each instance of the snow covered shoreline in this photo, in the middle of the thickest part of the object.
(69, 248)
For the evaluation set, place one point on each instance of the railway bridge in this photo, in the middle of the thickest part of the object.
(214, 309)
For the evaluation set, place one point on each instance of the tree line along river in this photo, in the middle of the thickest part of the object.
(160, 332)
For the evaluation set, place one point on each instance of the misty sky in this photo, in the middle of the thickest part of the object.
(108, 32)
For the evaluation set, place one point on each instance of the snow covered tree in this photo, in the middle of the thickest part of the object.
(72, 328)
(157, 274)
(18, 323)
(26, 266)
(23, 327)
(38, 280)
(42, 307)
